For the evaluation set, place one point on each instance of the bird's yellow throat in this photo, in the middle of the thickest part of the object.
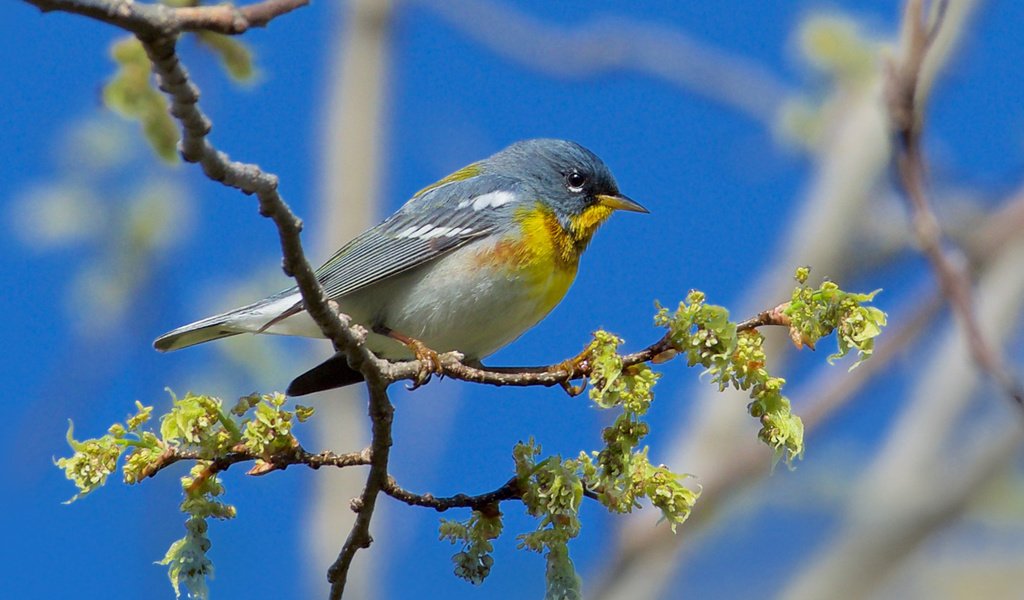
(547, 242)
(544, 253)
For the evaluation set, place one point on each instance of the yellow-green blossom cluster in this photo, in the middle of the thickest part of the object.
(473, 563)
(610, 384)
(186, 560)
(197, 427)
(618, 476)
(270, 428)
(735, 359)
(552, 490)
(199, 422)
(817, 312)
(93, 460)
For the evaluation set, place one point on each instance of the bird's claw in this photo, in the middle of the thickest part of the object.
(573, 367)
(430, 362)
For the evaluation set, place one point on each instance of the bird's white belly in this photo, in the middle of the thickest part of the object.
(455, 303)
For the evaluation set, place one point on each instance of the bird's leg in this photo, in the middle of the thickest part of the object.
(430, 361)
(573, 366)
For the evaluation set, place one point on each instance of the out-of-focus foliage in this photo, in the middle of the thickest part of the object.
(115, 228)
(838, 49)
(235, 56)
(131, 94)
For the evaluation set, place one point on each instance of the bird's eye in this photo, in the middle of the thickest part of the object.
(575, 181)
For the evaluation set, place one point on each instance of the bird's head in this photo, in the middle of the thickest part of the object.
(567, 179)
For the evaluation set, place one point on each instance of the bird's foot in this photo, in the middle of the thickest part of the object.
(430, 361)
(573, 367)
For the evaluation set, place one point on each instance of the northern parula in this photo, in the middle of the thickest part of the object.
(468, 264)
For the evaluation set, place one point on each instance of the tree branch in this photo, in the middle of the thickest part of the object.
(906, 115)
(273, 462)
(156, 27)
(152, 21)
(569, 370)
(382, 414)
(345, 337)
(483, 502)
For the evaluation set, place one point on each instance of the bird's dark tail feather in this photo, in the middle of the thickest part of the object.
(332, 373)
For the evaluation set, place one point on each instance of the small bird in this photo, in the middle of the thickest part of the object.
(467, 264)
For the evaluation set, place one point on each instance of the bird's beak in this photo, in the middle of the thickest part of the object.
(620, 202)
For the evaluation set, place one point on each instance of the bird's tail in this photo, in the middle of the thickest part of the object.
(332, 373)
(254, 318)
(194, 333)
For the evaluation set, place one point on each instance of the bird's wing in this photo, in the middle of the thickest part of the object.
(430, 225)
(436, 221)
(449, 214)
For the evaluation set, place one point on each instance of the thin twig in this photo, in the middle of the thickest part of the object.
(602, 45)
(565, 371)
(346, 338)
(1001, 227)
(906, 112)
(381, 414)
(157, 20)
(776, 317)
(273, 462)
(509, 491)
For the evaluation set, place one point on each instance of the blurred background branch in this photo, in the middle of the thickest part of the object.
(907, 117)
(352, 142)
(616, 44)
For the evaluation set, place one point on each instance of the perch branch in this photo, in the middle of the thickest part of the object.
(566, 371)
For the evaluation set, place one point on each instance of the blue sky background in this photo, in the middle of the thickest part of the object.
(719, 184)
